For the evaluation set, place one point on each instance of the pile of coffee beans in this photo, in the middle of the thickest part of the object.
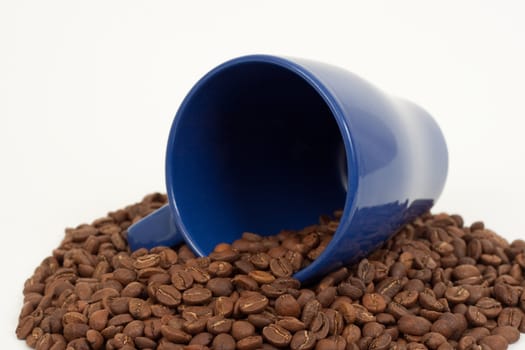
(437, 284)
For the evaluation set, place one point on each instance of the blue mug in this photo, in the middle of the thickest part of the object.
(263, 143)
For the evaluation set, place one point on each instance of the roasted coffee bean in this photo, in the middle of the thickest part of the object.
(303, 340)
(245, 282)
(252, 303)
(457, 294)
(327, 296)
(489, 307)
(407, 298)
(374, 302)
(511, 316)
(373, 329)
(276, 335)
(134, 329)
(414, 325)
(506, 294)
(168, 295)
(242, 329)
(219, 324)
(261, 320)
(346, 309)
(175, 335)
(220, 268)
(25, 326)
(389, 287)
(511, 334)
(287, 305)
(223, 306)
(291, 323)
(381, 342)
(310, 310)
(475, 317)
(281, 267)
(250, 343)
(261, 277)
(203, 339)
(495, 342)
(139, 308)
(320, 325)
(223, 341)
(75, 330)
(433, 340)
(196, 296)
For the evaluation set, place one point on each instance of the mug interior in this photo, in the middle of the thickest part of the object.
(255, 148)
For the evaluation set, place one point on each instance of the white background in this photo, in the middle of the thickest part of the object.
(88, 91)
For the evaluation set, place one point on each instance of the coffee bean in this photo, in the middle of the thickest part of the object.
(494, 342)
(252, 303)
(506, 294)
(223, 306)
(457, 294)
(261, 277)
(117, 305)
(465, 271)
(261, 320)
(175, 335)
(373, 329)
(219, 324)
(223, 341)
(374, 302)
(196, 295)
(303, 340)
(134, 329)
(511, 334)
(181, 279)
(407, 298)
(281, 267)
(414, 325)
(381, 342)
(242, 329)
(510, 316)
(291, 323)
(203, 338)
(489, 307)
(25, 327)
(350, 290)
(389, 287)
(250, 343)
(276, 335)
(220, 268)
(99, 319)
(75, 330)
(199, 274)
(320, 325)
(139, 308)
(120, 320)
(310, 310)
(475, 317)
(245, 282)
(286, 305)
(327, 296)
(346, 309)
(168, 295)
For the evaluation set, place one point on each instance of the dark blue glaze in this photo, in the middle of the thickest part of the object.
(264, 143)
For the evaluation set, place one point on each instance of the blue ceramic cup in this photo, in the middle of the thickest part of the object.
(263, 143)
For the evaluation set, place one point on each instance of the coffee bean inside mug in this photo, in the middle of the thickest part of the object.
(437, 284)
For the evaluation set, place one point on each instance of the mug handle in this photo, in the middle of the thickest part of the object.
(156, 229)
